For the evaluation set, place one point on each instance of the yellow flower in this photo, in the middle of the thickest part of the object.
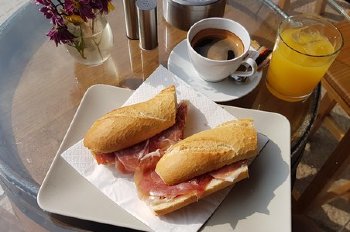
(110, 7)
(76, 19)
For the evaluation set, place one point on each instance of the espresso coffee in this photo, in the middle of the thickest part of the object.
(217, 44)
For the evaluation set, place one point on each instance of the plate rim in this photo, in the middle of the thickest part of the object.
(44, 185)
(65, 142)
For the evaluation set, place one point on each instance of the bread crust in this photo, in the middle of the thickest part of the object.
(182, 201)
(129, 125)
(208, 150)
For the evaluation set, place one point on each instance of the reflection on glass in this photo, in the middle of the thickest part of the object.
(135, 56)
(150, 61)
(106, 73)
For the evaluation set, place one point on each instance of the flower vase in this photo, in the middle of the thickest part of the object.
(93, 41)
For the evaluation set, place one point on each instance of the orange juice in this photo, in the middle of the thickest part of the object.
(300, 59)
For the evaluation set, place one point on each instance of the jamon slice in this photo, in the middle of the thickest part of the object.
(104, 158)
(149, 184)
(230, 172)
(152, 188)
(128, 159)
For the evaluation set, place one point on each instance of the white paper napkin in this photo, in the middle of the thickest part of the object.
(203, 114)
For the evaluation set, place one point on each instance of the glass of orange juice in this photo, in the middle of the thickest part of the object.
(305, 48)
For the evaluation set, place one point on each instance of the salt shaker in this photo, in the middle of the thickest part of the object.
(147, 19)
(131, 19)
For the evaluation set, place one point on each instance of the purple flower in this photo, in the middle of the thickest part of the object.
(69, 6)
(60, 34)
(101, 5)
(43, 2)
(63, 12)
(47, 11)
(85, 10)
(51, 13)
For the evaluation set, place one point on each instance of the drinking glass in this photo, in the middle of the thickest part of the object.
(305, 47)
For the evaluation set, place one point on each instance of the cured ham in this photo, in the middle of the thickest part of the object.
(230, 172)
(128, 159)
(149, 184)
(105, 158)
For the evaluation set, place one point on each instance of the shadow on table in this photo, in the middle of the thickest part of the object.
(254, 195)
(84, 225)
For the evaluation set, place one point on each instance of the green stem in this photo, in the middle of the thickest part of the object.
(96, 44)
(93, 26)
(81, 48)
(98, 49)
(80, 45)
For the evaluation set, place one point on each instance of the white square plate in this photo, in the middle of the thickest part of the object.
(261, 203)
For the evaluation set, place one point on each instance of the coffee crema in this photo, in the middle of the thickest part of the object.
(217, 44)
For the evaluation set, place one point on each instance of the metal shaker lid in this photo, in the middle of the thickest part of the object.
(147, 17)
(146, 4)
(194, 2)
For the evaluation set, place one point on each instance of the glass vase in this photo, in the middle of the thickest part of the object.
(93, 41)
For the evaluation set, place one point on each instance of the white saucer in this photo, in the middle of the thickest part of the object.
(226, 90)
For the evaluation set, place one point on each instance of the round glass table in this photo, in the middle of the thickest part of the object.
(41, 88)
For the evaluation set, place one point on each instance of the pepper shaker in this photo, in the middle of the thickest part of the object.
(131, 19)
(147, 19)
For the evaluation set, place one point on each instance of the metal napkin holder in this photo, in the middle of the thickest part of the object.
(184, 13)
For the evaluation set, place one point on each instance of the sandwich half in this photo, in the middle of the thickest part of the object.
(197, 166)
(123, 136)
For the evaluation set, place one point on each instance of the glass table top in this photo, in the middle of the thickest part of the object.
(41, 88)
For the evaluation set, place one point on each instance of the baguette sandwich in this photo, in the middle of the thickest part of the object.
(197, 166)
(125, 135)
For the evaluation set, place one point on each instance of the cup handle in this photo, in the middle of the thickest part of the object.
(249, 62)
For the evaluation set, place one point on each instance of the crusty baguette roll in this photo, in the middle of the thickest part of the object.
(207, 151)
(165, 206)
(129, 125)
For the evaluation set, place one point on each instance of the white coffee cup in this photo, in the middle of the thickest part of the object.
(217, 70)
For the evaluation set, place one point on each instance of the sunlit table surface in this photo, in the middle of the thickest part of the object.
(41, 88)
